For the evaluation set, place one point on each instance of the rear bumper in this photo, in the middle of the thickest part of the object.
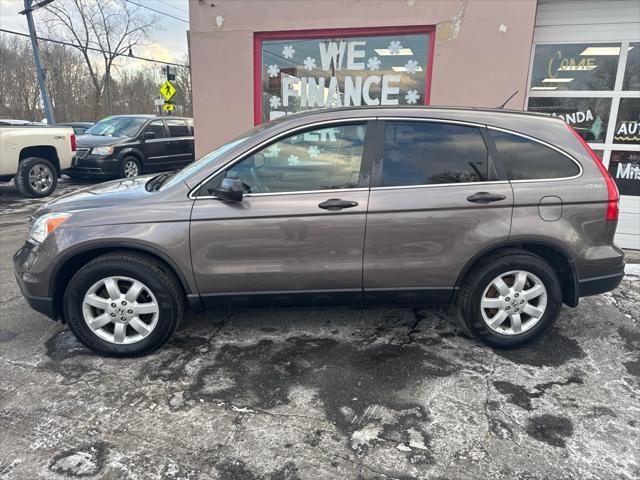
(597, 285)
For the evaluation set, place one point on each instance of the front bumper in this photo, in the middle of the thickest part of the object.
(92, 166)
(32, 285)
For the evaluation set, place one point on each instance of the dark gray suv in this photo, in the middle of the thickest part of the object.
(506, 214)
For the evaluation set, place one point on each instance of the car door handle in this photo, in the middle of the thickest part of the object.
(337, 204)
(485, 197)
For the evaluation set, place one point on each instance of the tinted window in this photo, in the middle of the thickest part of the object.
(323, 159)
(178, 128)
(525, 159)
(419, 153)
(156, 127)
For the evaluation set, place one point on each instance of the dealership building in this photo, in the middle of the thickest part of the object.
(256, 60)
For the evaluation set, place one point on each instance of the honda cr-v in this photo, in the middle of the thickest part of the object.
(508, 215)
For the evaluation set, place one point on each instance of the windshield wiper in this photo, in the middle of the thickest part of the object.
(156, 182)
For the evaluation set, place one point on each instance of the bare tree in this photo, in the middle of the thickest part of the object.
(114, 27)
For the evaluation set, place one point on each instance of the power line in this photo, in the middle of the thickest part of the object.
(157, 11)
(172, 6)
(94, 49)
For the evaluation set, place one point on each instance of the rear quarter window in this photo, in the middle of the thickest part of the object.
(525, 159)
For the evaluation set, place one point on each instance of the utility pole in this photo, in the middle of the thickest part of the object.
(44, 93)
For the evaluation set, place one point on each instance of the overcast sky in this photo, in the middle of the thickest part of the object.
(168, 43)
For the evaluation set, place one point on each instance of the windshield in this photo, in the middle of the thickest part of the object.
(204, 162)
(117, 126)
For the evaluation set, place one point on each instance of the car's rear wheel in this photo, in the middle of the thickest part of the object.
(510, 299)
(36, 177)
(130, 167)
(123, 304)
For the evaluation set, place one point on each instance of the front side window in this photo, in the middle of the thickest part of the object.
(323, 159)
(526, 159)
(422, 153)
(339, 69)
(157, 128)
(178, 128)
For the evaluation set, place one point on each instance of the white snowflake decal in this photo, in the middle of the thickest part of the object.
(313, 151)
(373, 63)
(274, 102)
(411, 66)
(309, 63)
(394, 156)
(293, 160)
(273, 71)
(412, 96)
(272, 151)
(288, 51)
(394, 47)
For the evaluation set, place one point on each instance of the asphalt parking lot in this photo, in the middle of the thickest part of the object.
(319, 394)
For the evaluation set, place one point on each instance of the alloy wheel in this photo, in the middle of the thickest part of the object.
(131, 169)
(40, 177)
(514, 302)
(120, 310)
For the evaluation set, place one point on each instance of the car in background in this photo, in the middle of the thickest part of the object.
(10, 122)
(34, 155)
(125, 146)
(78, 127)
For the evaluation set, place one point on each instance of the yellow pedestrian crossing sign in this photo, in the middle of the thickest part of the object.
(168, 107)
(167, 90)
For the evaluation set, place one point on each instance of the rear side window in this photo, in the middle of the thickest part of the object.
(422, 153)
(525, 159)
(178, 128)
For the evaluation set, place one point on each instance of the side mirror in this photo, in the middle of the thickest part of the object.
(148, 135)
(230, 190)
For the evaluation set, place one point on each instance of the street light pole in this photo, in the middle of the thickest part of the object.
(44, 93)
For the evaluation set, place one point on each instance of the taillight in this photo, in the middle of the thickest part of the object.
(73, 142)
(612, 189)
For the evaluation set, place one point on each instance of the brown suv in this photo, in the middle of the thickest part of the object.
(506, 214)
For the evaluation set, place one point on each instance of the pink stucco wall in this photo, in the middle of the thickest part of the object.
(475, 64)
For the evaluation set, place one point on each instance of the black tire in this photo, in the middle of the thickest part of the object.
(162, 283)
(23, 181)
(477, 280)
(124, 167)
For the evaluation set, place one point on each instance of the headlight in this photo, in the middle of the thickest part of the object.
(102, 150)
(44, 225)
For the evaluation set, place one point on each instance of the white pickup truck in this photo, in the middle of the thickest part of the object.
(35, 156)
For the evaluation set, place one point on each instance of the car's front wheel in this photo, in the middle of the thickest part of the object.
(510, 299)
(130, 167)
(123, 304)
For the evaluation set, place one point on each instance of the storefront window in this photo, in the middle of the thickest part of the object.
(628, 122)
(624, 167)
(338, 69)
(588, 116)
(584, 66)
(632, 72)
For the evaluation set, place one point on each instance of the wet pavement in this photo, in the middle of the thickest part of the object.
(319, 394)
